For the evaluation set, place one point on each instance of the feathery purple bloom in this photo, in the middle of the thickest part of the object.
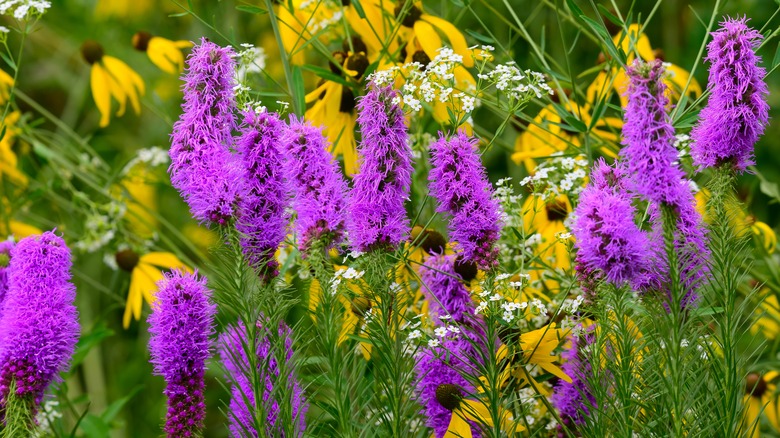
(377, 217)
(317, 184)
(39, 326)
(446, 294)
(180, 324)
(648, 134)
(232, 349)
(574, 400)
(5, 259)
(458, 181)
(202, 168)
(607, 238)
(262, 220)
(736, 113)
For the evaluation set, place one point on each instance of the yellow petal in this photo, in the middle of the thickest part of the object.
(134, 299)
(148, 278)
(21, 230)
(101, 93)
(128, 80)
(459, 427)
(166, 55)
(163, 260)
(456, 38)
(429, 39)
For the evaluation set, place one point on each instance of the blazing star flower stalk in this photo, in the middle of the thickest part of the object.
(574, 400)
(202, 168)
(607, 238)
(38, 328)
(650, 159)
(5, 259)
(180, 324)
(232, 350)
(458, 181)
(318, 186)
(262, 219)
(377, 217)
(444, 290)
(737, 112)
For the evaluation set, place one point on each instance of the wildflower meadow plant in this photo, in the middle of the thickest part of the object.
(382, 219)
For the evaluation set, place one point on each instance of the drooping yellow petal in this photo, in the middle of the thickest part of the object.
(459, 427)
(101, 93)
(632, 40)
(20, 230)
(166, 55)
(134, 299)
(130, 82)
(428, 38)
(766, 234)
(456, 38)
(148, 277)
(163, 260)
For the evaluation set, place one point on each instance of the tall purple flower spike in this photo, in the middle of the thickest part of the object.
(737, 112)
(377, 217)
(5, 260)
(39, 325)
(262, 218)
(574, 400)
(181, 322)
(317, 185)
(202, 168)
(232, 349)
(458, 182)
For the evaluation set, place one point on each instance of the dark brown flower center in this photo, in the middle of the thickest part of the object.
(755, 385)
(354, 44)
(412, 15)
(556, 211)
(335, 67)
(431, 241)
(467, 270)
(127, 259)
(91, 51)
(421, 57)
(359, 63)
(141, 41)
(448, 395)
(347, 104)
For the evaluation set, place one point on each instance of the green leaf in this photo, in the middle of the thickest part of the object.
(606, 13)
(299, 90)
(114, 408)
(481, 38)
(88, 341)
(251, 9)
(776, 60)
(606, 39)
(575, 10)
(359, 8)
(94, 427)
(8, 61)
(325, 73)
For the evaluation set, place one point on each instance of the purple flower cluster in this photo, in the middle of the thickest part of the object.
(180, 324)
(39, 324)
(458, 181)
(737, 112)
(202, 168)
(608, 240)
(377, 217)
(444, 290)
(5, 259)
(232, 349)
(316, 183)
(262, 219)
(574, 400)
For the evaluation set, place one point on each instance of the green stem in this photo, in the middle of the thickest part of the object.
(19, 417)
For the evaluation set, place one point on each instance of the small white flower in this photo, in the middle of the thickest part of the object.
(440, 332)
(433, 343)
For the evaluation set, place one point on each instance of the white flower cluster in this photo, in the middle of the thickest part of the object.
(46, 416)
(22, 9)
(432, 83)
(341, 274)
(520, 86)
(100, 226)
(512, 211)
(560, 175)
(250, 59)
(152, 157)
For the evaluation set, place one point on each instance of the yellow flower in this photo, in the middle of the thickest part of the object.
(145, 271)
(546, 135)
(761, 395)
(300, 20)
(139, 194)
(768, 311)
(465, 410)
(10, 227)
(740, 220)
(635, 43)
(376, 29)
(334, 106)
(419, 29)
(111, 77)
(163, 53)
(122, 8)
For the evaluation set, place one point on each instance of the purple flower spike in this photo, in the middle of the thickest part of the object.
(737, 112)
(444, 290)
(458, 181)
(180, 324)
(262, 220)
(574, 400)
(607, 238)
(5, 259)
(202, 168)
(648, 134)
(377, 217)
(232, 350)
(39, 326)
(318, 186)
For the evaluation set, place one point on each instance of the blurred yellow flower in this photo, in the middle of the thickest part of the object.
(122, 8)
(761, 396)
(377, 29)
(334, 105)
(164, 53)
(145, 271)
(741, 221)
(419, 29)
(140, 195)
(545, 218)
(768, 315)
(111, 77)
(300, 20)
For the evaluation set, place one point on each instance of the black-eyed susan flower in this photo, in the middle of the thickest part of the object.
(421, 30)
(761, 396)
(164, 53)
(334, 104)
(145, 271)
(302, 20)
(111, 77)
